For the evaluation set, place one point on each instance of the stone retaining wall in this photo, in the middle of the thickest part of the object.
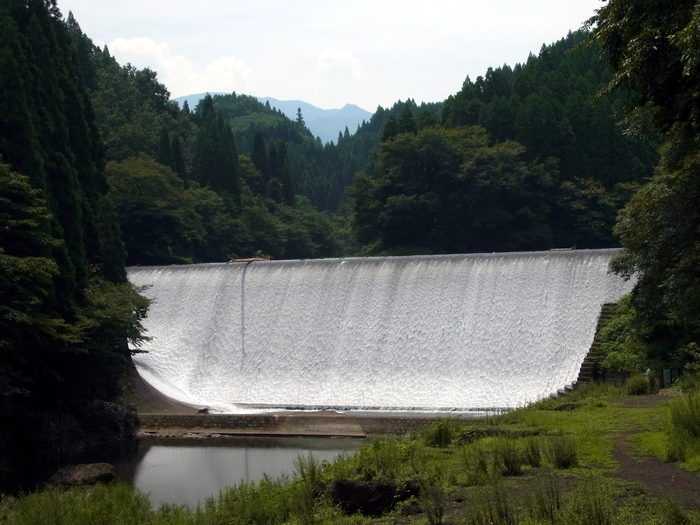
(271, 423)
(249, 422)
(393, 425)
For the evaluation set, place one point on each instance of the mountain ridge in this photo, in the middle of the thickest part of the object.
(323, 123)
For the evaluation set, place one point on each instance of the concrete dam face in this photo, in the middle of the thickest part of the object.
(432, 333)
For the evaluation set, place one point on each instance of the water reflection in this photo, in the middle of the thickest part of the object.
(188, 471)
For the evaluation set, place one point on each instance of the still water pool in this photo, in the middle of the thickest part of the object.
(186, 472)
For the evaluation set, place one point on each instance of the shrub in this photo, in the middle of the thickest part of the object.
(690, 383)
(637, 385)
(441, 433)
(381, 459)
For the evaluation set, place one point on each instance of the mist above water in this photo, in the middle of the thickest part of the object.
(396, 333)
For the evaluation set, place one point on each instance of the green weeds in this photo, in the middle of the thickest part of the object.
(531, 466)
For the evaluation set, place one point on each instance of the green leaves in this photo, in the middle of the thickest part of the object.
(450, 191)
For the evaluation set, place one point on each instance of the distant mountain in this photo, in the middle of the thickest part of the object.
(323, 123)
(192, 100)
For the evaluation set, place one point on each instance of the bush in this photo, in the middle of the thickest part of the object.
(441, 433)
(690, 383)
(637, 385)
(381, 459)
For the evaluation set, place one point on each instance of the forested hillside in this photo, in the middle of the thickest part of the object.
(529, 157)
(66, 308)
(100, 169)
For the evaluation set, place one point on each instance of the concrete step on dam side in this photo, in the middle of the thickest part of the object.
(438, 334)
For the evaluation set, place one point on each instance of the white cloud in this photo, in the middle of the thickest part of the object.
(180, 74)
(226, 72)
(339, 63)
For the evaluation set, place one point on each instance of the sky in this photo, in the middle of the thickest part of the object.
(330, 53)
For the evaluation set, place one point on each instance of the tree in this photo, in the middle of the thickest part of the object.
(156, 214)
(216, 158)
(450, 191)
(654, 55)
(300, 118)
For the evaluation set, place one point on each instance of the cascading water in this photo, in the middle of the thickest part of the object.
(396, 333)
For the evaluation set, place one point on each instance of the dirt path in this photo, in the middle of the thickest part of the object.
(657, 477)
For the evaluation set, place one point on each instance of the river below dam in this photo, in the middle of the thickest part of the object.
(187, 472)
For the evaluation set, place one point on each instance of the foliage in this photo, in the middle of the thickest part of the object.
(157, 216)
(637, 385)
(450, 490)
(66, 311)
(622, 345)
(653, 56)
(451, 191)
(433, 496)
(507, 457)
(658, 229)
(441, 433)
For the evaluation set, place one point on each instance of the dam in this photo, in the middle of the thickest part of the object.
(450, 333)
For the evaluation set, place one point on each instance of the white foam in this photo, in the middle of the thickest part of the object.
(438, 332)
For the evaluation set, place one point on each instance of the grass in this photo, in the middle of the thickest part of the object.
(535, 465)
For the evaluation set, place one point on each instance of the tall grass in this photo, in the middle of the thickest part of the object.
(268, 501)
(308, 472)
(532, 455)
(544, 504)
(115, 503)
(491, 508)
(442, 433)
(590, 506)
(507, 457)
(433, 496)
(475, 460)
(684, 414)
(562, 451)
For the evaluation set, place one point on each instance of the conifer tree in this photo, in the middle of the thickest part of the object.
(165, 153)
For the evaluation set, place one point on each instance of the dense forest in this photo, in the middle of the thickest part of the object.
(99, 170)
(66, 308)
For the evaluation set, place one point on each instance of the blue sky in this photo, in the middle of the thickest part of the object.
(329, 53)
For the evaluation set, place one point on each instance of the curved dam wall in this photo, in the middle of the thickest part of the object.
(453, 332)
